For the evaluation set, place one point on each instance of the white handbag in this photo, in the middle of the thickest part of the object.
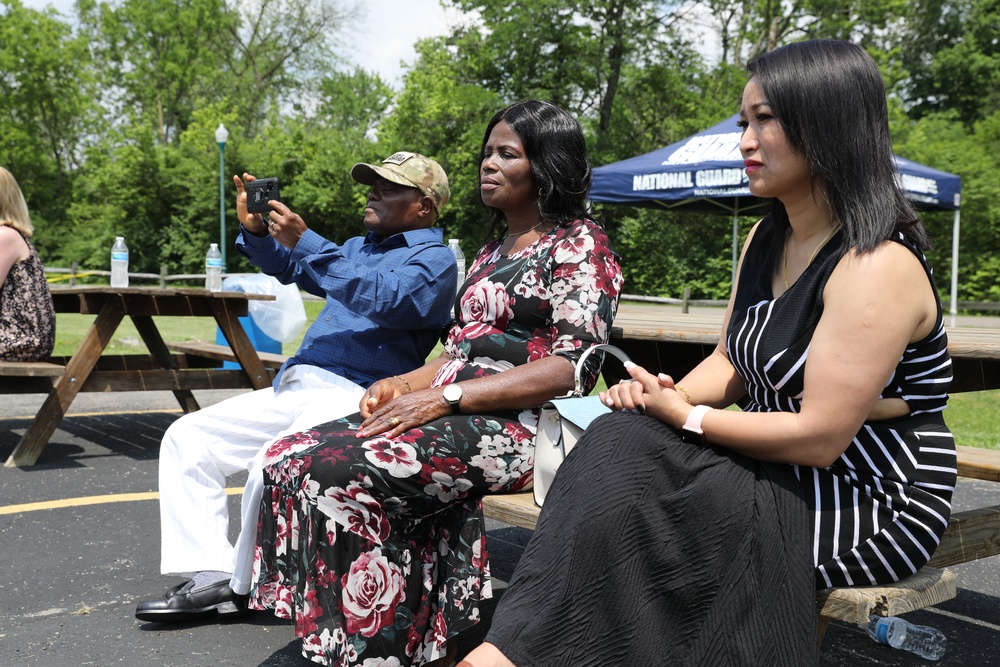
(562, 421)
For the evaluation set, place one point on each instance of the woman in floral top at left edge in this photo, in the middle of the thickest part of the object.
(27, 316)
(371, 535)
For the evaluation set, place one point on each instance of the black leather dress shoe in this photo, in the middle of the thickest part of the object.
(179, 588)
(185, 603)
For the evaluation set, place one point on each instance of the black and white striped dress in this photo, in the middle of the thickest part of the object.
(880, 510)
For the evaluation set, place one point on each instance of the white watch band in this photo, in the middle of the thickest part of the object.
(694, 418)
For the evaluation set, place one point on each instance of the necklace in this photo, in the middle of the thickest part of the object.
(510, 236)
(784, 253)
(516, 234)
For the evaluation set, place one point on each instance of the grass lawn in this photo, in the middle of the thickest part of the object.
(973, 417)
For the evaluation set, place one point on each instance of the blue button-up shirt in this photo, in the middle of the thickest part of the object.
(387, 300)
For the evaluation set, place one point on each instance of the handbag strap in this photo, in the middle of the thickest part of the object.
(600, 347)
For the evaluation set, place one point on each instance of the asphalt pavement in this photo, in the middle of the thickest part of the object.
(79, 547)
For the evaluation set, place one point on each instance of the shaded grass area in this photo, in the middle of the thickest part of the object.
(973, 417)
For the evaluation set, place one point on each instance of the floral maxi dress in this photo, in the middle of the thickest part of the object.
(376, 547)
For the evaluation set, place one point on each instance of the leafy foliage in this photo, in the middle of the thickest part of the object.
(442, 112)
(47, 88)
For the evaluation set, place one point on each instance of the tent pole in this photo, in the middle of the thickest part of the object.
(954, 268)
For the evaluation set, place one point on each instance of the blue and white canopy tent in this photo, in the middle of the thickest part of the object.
(705, 173)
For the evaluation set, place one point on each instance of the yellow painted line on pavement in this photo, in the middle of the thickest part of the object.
(91, 500)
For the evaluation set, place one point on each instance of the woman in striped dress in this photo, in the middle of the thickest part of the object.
(838, 470)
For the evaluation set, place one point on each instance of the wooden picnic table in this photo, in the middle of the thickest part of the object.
(88, 370)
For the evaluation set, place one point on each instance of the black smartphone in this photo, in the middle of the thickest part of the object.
(261, 191)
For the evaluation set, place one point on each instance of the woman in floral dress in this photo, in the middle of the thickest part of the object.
(27, 317)
(371, 531)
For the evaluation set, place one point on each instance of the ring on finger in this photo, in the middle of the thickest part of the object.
(394, 421)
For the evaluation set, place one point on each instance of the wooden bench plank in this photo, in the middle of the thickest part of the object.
(978, 463)
(927, 587)
(223, 353)
(27, 385)
(517, 509)
(970, 535)
(186, 379)
(133, 362)
(31, 377)
(31, 369)
(134, 372)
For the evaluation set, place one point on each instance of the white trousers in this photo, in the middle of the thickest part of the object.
(201, 449)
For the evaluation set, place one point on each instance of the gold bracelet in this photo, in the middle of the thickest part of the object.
(687, 397)
(410, 389)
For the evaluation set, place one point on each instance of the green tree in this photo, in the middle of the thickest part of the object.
(748, 29)
(948, 50)
(160, 58)
(115, 193)
(46, 103)
(135, 155)
(314, 152)
(278, 48)
(572, 53)
(966, 73)
(442, 112)
(163, 198)
(172, 71)
(619, 67)
(939, 140)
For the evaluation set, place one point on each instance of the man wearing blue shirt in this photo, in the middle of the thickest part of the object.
(388, 296)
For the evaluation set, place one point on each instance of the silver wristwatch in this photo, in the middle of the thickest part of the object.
(453, 394)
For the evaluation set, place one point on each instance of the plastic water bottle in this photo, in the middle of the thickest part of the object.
(213, 269)
(926, 642)
(459, 258)
(119, 263)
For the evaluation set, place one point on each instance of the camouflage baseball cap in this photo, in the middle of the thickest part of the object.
(409, 169)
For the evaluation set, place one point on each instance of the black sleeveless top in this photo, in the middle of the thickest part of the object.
(880, 510)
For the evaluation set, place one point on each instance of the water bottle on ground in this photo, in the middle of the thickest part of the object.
(924, 641)
(213, 269)
(459, 258)
(119, 263)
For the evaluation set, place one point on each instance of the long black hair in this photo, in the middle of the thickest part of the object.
(829, 97)
(557, 151)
